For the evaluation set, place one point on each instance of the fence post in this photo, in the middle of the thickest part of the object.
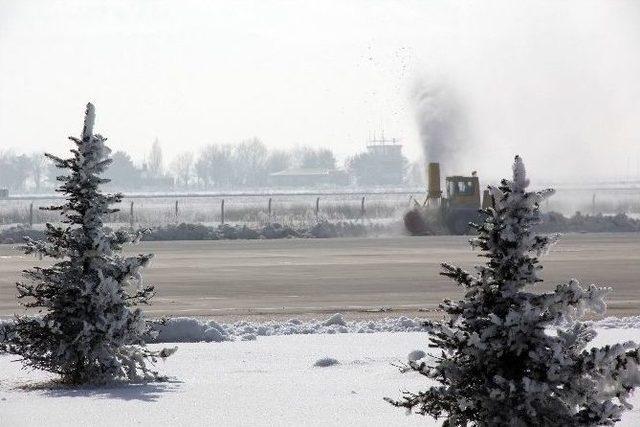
(131, 220)
(362, 211)
(317, 206)
(31, 215)
(176, 210)
(269, 209)
(222, 212)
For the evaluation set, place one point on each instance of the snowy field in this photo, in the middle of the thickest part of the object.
(268, 381)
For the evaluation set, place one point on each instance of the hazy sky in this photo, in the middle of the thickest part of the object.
(556, 81)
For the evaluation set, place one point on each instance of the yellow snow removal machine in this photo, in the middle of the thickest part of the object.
(453, 213)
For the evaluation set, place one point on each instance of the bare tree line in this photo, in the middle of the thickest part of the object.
(21, 171)
(247, 164)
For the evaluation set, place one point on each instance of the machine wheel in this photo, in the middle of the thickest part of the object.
(415, 224)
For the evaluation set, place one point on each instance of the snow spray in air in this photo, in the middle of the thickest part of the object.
(442, 126)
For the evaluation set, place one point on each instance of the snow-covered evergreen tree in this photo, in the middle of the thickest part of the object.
(90, 329)
(507, 356)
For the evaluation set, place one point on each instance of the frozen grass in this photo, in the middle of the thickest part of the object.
(253, 210)
(293, 209)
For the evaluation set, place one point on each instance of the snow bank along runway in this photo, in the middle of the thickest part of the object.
(297, 276)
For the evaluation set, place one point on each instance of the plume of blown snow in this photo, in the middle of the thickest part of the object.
(442, 125)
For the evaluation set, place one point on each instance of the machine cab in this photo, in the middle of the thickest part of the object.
(463, 191)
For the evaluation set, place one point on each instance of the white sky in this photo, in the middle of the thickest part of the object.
(556, 81)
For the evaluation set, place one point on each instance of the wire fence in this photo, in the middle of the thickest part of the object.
(292, 209)
(219, 210)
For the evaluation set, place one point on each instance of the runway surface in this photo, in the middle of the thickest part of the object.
(358, 276)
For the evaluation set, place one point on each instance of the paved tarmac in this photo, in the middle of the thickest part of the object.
(358, 276)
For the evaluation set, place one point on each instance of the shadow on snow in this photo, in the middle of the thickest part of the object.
(143, 391)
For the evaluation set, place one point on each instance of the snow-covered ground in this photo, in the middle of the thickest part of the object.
(268, 381)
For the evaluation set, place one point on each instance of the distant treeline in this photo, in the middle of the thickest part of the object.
(248, 164)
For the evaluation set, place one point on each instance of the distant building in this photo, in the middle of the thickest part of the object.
(308, 177)
(382, 163)
(4, 193)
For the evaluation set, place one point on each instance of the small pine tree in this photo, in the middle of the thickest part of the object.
(90, 331)
(515, 358)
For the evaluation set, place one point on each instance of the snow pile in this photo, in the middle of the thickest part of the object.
(336, 319)
(632, 322)
(187, 329)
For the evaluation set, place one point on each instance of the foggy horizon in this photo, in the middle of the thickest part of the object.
(556, 82)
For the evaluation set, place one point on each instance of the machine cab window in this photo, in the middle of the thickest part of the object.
(461, 187)
(465, 188)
